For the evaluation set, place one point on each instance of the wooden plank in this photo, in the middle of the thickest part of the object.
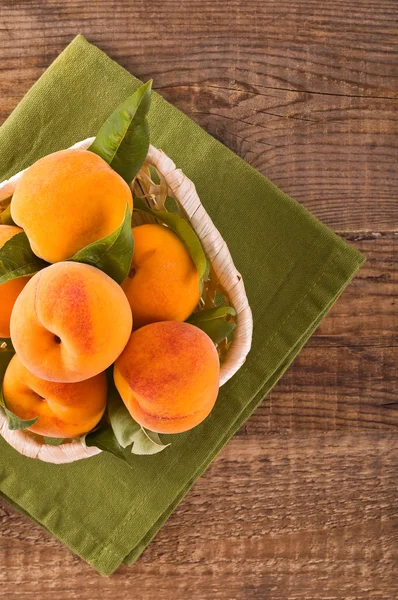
(326, 151)
(276, 516)
(334, 389)
(366, 314)
(306, 94)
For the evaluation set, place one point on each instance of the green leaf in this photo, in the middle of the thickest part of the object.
(5, 217)
(123, 425)
(216, 322)
(112, 254)
(183, 230)
(206, 274)
(123, 139)
(104, 439)
(53, 441)
(147, 442)
(17, 259)
(127, 431)
(14, 422)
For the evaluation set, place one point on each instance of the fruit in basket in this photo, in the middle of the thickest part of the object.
(10, 290)
(64, 409)
(168, 376)
(67, 200)
(70, 322)
(163, 284)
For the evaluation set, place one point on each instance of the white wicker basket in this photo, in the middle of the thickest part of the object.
(183, 190)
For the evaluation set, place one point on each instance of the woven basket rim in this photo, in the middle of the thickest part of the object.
(218, 254)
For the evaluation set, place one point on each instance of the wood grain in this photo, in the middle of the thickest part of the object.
(302, 503)
(276, 516)
(366, 314)
(306, 92)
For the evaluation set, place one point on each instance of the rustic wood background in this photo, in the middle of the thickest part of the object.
(302, 504)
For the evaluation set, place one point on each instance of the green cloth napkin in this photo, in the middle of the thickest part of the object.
(293, 266)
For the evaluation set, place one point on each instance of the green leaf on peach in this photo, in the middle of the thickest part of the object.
(123, 425)
(104, 439)
(112, 254)
(123, 139)
(218, 322)
(17, 259)
(127, 431)
(183, 229)
(147, 442)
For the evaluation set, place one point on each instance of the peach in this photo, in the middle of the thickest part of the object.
(65, 410)
(10, 290)
(168, 376)
(70, 322)
(68, 200)
(163, 284)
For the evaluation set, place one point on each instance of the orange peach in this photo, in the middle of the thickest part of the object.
(168, 376)
(68, 200)
(163, 284)
(70, 322)
(10, 290)
(65, 410)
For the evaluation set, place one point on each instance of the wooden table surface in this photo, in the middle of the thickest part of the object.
(302, 503)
